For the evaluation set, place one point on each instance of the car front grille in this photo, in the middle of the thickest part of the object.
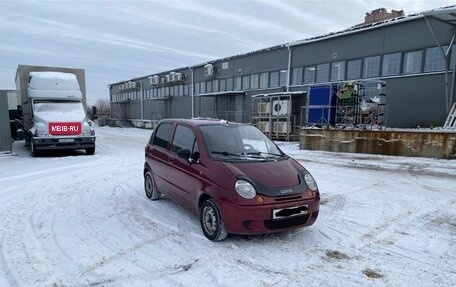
(286, 222)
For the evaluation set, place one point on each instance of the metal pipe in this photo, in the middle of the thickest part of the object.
(193, 100)
(142, 98)
(289, 67)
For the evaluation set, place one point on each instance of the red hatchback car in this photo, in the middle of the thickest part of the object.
(232, 175)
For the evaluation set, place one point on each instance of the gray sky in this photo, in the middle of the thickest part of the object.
(119, 40)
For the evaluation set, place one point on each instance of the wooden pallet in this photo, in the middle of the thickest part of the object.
(450, 122)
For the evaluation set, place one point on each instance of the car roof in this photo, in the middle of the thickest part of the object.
(201, 121)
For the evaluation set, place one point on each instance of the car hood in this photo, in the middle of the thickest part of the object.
(268, 174)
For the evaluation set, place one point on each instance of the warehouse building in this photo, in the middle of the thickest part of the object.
(412, 56)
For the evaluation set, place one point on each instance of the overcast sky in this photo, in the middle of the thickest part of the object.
(119, 40)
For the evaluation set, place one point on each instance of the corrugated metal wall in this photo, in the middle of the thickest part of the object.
(5, 133)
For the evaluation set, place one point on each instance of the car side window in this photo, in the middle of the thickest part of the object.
(162, 135)
(183, 139)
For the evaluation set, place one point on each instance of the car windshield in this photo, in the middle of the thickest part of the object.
(233, 141)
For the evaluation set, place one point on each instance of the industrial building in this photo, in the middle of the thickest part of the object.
(8, 109)
(411, 59)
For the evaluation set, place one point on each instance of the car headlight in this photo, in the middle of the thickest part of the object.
(310, 181)
(245, 189)
(41, 133)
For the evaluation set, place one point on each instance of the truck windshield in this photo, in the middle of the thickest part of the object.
(238, 141)
(43, 106)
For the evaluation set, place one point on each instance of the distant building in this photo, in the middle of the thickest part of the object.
(410, 53)
(381, 14)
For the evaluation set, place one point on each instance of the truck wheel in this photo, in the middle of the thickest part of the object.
(90, 151)
(33, 151)
(212, 222)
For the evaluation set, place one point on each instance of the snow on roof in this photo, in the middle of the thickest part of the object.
(53, 81)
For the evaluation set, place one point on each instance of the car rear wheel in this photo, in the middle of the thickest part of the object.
(150, 187)
(212, 222)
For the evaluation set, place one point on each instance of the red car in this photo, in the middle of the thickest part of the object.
(232, 175)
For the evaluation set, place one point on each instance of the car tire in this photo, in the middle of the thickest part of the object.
(150, 187)
(90, 151)
(211, 221)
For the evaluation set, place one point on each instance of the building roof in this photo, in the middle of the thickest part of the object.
(446, 14)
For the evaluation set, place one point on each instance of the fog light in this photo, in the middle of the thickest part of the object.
(260, 199)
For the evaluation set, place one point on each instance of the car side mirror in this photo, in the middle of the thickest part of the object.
(184, 153)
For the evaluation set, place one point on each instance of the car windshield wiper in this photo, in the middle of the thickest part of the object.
(264, 153)
(241, 156)
(225, 153)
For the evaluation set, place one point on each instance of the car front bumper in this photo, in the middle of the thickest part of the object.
(258, 219)
(56, 143)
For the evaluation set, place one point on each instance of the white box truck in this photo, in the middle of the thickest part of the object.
(53, 102)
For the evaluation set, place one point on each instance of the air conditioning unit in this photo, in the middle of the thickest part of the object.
(172, 76)
(281, 127)
(264, 108)
(162, 80)
(178, 77)
(209, 70)
(132, 85)
(155, 80)
(168, 78)
(121, 87)
(264, 126)
(281, 107)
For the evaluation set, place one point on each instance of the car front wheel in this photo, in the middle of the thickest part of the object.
(212, 222)
(150, 187)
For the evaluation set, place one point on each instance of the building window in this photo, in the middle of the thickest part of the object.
(181, 90)
(371, 67)
(412, 62)
(229, 84)
(209, 87)
(238, 83)
(197, 89)
(434, 60)
(354, 69)
(391, 64)
(203, 87)
(254, 81)
(222, 84)
(338, 71)
(186, 92)
(296, 76)
(274, 80)
(309, 75)
(453, 57)
(215, 86)
(176, 90)
(245, 83)
(264, 80)
(322, 73)
(283, 78)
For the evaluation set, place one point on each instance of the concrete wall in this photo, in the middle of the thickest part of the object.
(399, 143)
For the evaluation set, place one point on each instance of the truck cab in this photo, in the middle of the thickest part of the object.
(54, 116)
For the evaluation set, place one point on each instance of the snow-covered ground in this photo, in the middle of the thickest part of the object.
(77, 220)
